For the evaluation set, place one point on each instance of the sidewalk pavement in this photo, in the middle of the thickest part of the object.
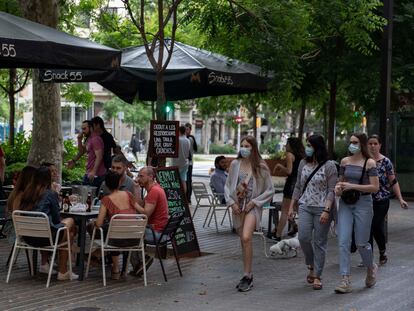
(208, 282)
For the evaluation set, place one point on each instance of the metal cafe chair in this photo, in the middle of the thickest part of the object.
(122, 227)
(36, 224)
(167, 237)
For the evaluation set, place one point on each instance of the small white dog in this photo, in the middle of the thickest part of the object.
(285, 249)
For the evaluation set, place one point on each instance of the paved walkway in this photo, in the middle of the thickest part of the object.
(208, 282)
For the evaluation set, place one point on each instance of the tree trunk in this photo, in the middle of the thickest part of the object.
(302, 118)
(160, 108)
(47, 132)
(12, 104)
(332, 113)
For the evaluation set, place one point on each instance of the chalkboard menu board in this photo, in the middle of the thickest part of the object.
(164, 139)
(185, 238)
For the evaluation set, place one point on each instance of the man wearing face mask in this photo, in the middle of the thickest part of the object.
(358, 179)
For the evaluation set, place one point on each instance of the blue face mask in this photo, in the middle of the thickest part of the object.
(245, 152)
(354, 148)
(309, 151)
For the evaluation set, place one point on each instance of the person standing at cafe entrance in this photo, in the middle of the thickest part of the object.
(193, 149)
(183, 157)
(108, 140)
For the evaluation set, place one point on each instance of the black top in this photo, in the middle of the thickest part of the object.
(49, 204)
(109, 144)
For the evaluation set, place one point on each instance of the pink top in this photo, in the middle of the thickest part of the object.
(112, 209)
(93, 144)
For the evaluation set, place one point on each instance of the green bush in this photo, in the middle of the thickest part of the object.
(341, 149)
(75, 174)
(16, 159)
(222, 149)
(269, 146)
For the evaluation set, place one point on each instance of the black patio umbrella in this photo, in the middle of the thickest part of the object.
(191, 73)
(26, 44)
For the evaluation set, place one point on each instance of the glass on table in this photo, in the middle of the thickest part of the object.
(74, 199)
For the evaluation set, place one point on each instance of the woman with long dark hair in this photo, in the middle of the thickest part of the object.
(24, 179)
(248, 187)
(295, 152)
(358, 179)
(381, 199)
(39, 197)
(315, 199)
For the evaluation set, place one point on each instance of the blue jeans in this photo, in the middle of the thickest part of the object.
(313, 237)
(359, 217)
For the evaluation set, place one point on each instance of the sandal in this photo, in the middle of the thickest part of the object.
(317, 286)
(310, 277)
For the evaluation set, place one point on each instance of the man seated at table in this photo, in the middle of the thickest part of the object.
(119, 166)
(154, 205)
(219, 177)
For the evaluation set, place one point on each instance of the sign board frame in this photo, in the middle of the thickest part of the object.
(169, 180)
(162, 140)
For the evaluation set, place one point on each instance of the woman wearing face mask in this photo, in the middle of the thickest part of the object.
(314, 195)
(381, 199)
(359, 214)
(248, 187)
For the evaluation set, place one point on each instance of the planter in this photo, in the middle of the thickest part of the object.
(271, 163)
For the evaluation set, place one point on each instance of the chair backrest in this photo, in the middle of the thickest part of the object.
(31, 224)
(171, 227)
(127, 226)
(199, 188)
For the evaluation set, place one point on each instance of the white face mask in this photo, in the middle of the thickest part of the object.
(245, 152)
(309, 151)
(354, 148)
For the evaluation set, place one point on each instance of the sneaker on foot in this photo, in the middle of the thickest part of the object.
(344, 287)
(66, 276)
(371, 278)
(361, 265)
(245, 284)
(45, 269)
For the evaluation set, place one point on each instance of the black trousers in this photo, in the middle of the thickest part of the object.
(378, 224)
(189, 181)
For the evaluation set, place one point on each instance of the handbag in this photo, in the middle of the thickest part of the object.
(352, 196)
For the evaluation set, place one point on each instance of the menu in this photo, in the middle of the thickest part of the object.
(185, 238)
(164, 139)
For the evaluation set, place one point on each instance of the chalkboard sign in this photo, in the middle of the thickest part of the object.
(185, 238)
(164, 139)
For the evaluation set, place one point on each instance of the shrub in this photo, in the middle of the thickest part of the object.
(75, 174)
(222, 149)
(341, 149)
(16, 159)
(269, 146)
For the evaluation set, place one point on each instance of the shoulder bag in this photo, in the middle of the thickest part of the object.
(311, 175)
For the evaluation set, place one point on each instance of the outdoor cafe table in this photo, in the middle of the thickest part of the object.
(80, 219)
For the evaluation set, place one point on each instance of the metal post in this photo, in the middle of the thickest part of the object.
(385, 86)
(238, 129)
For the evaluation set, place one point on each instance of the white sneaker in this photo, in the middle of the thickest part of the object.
(66, 276)
(45, 269)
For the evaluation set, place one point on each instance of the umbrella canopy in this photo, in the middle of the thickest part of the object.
(26, 44)
(191, 73)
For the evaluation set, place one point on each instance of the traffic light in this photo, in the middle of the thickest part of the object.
(169, 110)
(169, 106)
